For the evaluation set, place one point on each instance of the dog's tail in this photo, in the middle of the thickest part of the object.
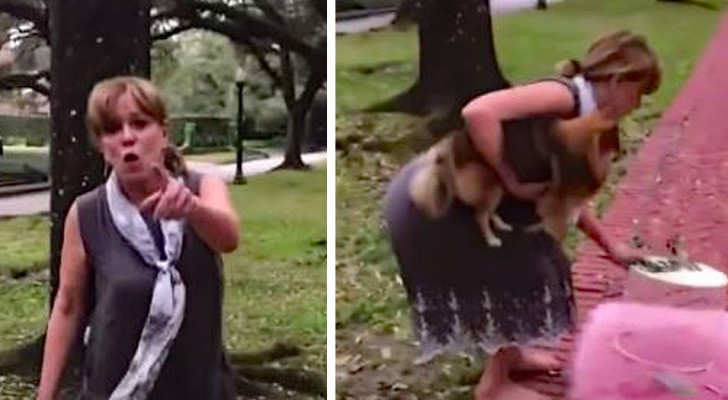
(432, 188)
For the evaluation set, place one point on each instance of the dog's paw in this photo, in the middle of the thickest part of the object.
(500, 224)
(534, 228)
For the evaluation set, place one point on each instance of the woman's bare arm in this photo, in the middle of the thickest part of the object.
(483, 117)
(68, 307)
(617, 251)
(214, 218)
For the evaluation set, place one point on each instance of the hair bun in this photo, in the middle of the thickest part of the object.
(569, 68)
(173, 160)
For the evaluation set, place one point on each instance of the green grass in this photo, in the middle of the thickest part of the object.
(24, 309)
(529, 44)
(23, 244)
(225, 157)
(373, 67)
(276, 285)
(253, 149)
(275, 282)
(14, 157)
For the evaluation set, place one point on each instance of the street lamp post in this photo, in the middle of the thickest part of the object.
(239, 83)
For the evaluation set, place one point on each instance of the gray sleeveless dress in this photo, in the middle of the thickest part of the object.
(466, 296)
(121, 287)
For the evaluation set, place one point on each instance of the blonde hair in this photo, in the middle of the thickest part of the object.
(102, 115)
(621, 55)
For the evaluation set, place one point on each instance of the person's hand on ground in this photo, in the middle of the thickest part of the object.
(625, 255)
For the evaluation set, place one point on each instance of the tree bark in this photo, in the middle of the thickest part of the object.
(298, 109)
(296, 127)
(457, 58)
(26, 80)
(91, 40)
(34, 11)
(405, 13)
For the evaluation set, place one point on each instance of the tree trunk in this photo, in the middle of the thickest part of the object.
(90, 40)
(315, 138)
(457, 58)
(298, 109)
(292, 156)
(295, 130)
(541, 5)
(405, 13)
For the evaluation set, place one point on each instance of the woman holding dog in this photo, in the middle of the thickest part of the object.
(465, 294)
(141, 272)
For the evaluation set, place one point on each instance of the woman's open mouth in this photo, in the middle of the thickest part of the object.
(130, 158)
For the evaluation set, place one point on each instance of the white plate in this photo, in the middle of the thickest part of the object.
(705, 276)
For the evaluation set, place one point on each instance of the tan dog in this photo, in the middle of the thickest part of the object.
(578, 169)
(454, 169)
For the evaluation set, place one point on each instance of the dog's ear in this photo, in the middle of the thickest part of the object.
(610, 139)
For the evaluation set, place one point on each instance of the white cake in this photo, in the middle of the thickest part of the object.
(667, 282)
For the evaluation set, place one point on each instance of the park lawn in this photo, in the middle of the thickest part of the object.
(529, 44)
(253, 150)
(228, 157)
(275, 282)
(370, 301)
(15, 157)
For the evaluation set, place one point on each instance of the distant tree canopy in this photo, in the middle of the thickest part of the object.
(291, 31)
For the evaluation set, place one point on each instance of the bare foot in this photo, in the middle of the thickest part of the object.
(506, 390)
(536, 361)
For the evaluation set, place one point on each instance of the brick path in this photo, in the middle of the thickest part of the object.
(676, 184)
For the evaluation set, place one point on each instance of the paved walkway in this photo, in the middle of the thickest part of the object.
(677, 184)
(379, 20)
(38, 202)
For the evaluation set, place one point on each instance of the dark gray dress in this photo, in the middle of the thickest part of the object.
(121, 289)
(466, 296)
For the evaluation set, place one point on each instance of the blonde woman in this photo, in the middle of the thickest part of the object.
(464, 293)
(141, 260)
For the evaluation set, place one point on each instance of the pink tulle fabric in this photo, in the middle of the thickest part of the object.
(636, 351)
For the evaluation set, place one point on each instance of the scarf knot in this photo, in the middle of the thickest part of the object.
(166, 310)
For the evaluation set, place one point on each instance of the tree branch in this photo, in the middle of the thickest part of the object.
(29, 10)
(244, 24)
(180, 9)
(27, 80)
(263, 63)
(239, 26)
(315, 79)
(270, 11)
(319, 6)
(289, 79)
(174, 31)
